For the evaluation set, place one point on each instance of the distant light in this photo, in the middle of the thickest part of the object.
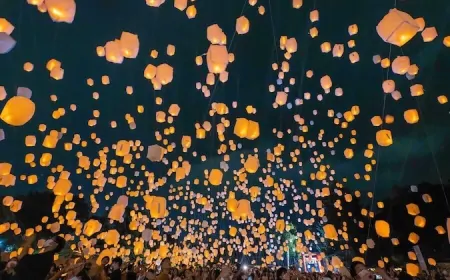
(245, 267)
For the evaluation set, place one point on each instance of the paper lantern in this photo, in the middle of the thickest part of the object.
(354, 57)
(384, 138)
(121, 181)
(353, 29)
(297, 4)
(291, 45)
(314, 16)
(442, 99)
(155, 153)
(427, 198)
(280, 225)
(314, 32)
(330, 232)
(429, 34)
(150, 71)
(325, 47)
(416, 90)
(158, 207)
(116, 212)
(61, 10)
(412, 269)
(440, 230)
(233, 231)
(113, 52)
(154, 3)
(215, 35)
(348, 153)
(180, 4)
(413, 209)
(338, 50)
(215, 177)
(217, 58)
(112, 237)
(413, 238)
(6, 26)
(91, 227)
(419, 221)
(281, 98)
(400, 65)
(191, 12)
(376, 121)
(412, 256)
(7, 43)
(431, 261)
(129, 45)
(397, 28)
(123, 148)
(244, 128)
(251, 165)
(420, 23)
(164, 74)
(326, 83)
(411, 116)
(446, 41)
(242, 25)
(62, 187)
(8, 201)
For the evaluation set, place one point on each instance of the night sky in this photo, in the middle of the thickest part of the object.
(417, 151)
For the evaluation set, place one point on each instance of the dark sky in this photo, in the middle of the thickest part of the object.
(413, 158)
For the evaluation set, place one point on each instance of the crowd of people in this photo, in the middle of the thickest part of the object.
(42, 267)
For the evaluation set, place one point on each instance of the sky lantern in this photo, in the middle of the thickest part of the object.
(113, 52)
(400, 65)
(215, 177)
(129, 45)
(297, 4)
(382, 228)
(18, 111)
(191, 12)
(215, 35)
(164, 74)
(397, 27)
(61, 10)
(217, 58)
(7, 43)
(6, 26)
(411, 116)
(180, 4)
(384, 138)
(429, 34)
(242, 25)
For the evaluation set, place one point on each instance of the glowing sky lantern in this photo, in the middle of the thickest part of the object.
(397, 27)
(61, 10)
(18, 111)
(217, 58)
(242, 25)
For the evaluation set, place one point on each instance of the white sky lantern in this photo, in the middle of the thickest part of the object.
(325, 47)
(297, 4)
(57, 73)
(429, 34)
(113, 53)
(353, 29)
(150, 72)
(388, 86)
(281, 98)
(291, 45)
(326, 83)
(376, 59)
(155, 153)
(416, 90)
(338, 50)
(61, 10)
(397, 28)
(242, 25)
(396, 95)
(217, 58)
(314, 16)
(400, 65)
(7, 43)
(354, 57)
(164, 73)
(6, 26)
(129, 45)
(215, 35)
(180, 4)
